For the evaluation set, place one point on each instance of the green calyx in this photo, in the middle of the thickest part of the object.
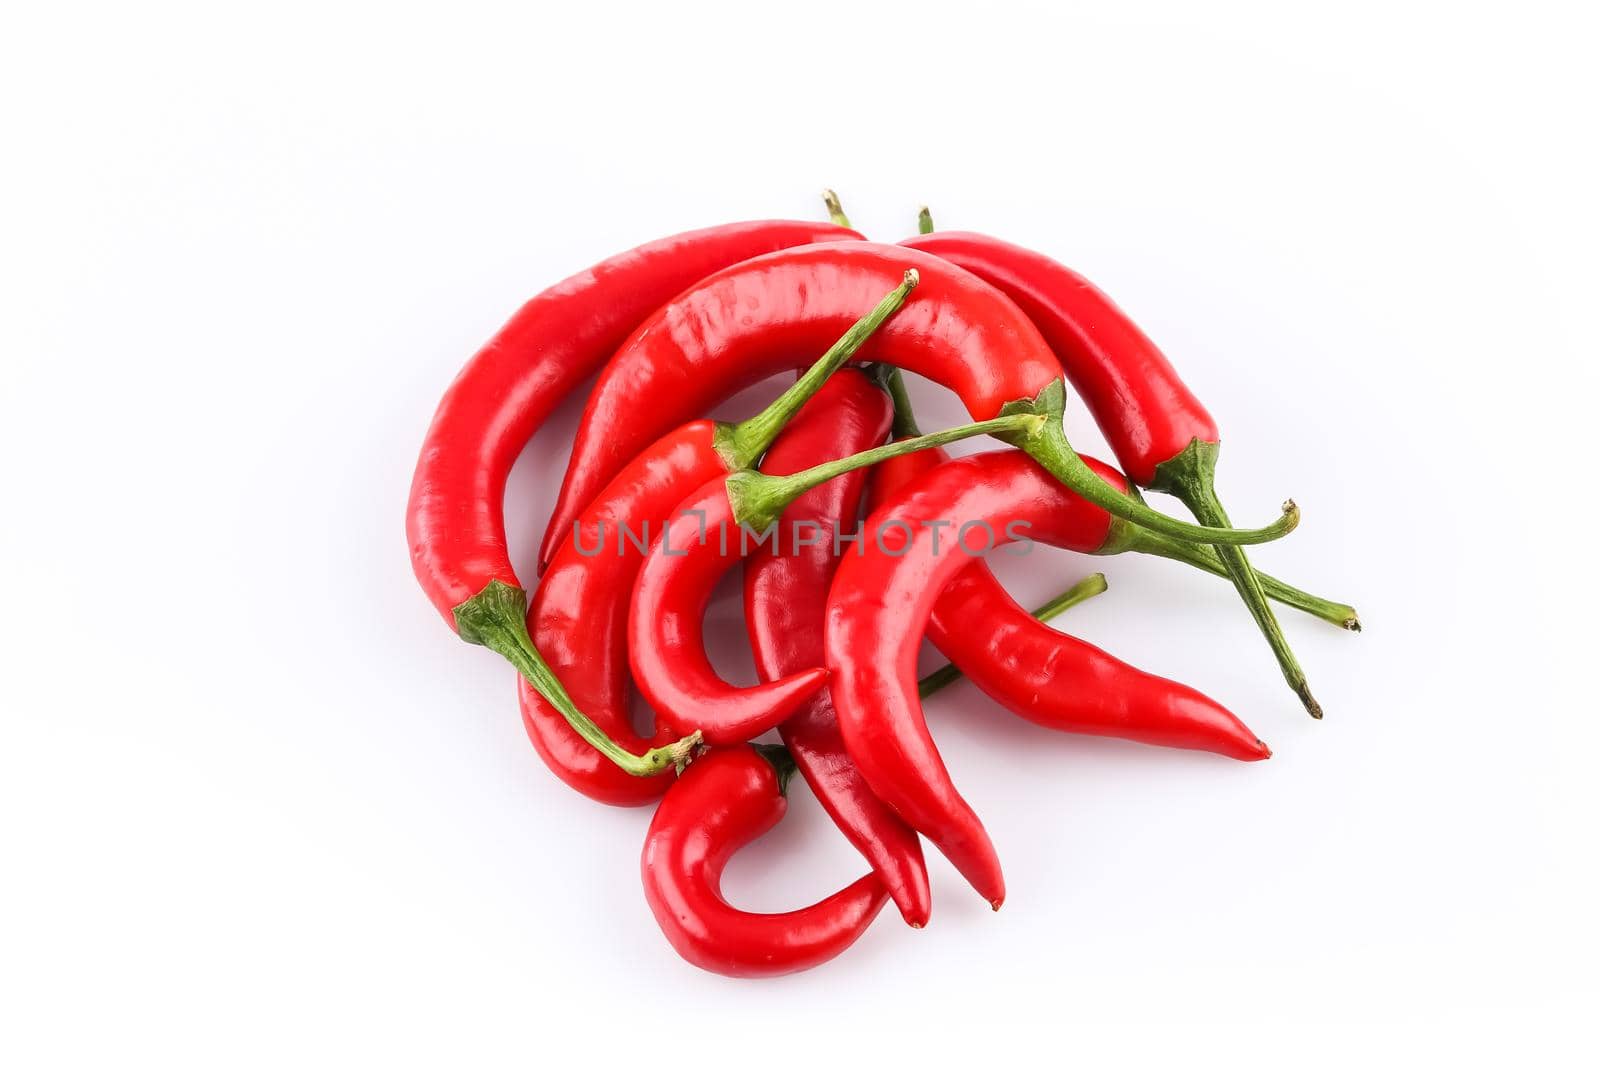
(1086, 589)
(1184, 473)
(482, 619)
(742, 444)
(782, 763)
(924, 220)
(758, 499)
(496, 617)
(1055, 454)
(1189, 476)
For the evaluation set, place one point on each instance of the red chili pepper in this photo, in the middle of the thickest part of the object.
(454, 520)
(724, 800)
(1061, 683)
(785, 599)
(579, 612)
(879, 607)
(737, 512)
(1161, 434)
(748, 322)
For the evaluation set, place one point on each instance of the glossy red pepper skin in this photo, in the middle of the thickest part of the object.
(579, 615)
(760, 317)
(878, 609)
(1147, 413)
(724, 800)
(1061, 683)
(665, 646)
(785, 603)
(455, 517)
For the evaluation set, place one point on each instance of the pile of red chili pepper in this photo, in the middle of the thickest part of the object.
(857, 537)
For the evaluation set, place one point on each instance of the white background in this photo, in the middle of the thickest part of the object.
(256, 801)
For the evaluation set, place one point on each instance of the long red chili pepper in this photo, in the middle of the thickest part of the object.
(747, 322)
(734, 513)
(724, 800)
(1160, 432)
(454, 520)
(579, 612)
(785, 599)
(879, 607)
(1059, 682)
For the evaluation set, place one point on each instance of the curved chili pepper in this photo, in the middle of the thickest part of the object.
(454, 519)
(879, 606)
(1161, 434)
(665, 644)
(579, 613)
(724, 800)
(785, 600)
(1062, 683)
(747, 322)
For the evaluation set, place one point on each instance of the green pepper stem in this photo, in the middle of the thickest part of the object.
(924, 220)
(497, 618)
(1129, 538)
(836, 215)
(1054, 454)
(741, 444)
(758, 499)
(1088, 588)
(1341, 615)
(1189, 477)
(905, 419)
